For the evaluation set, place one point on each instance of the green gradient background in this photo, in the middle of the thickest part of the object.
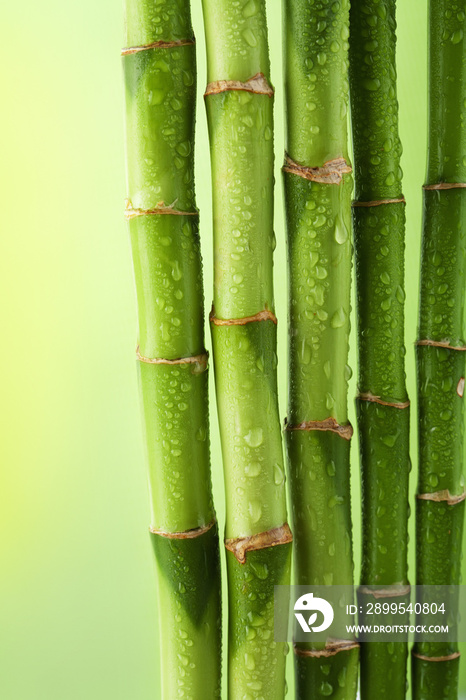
(78, 612)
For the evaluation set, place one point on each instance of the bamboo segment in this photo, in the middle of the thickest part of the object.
(382, 404)
(440, 348)
(318, 188)
(160, 79)
(239, 102)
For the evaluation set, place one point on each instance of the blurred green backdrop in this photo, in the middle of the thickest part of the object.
(78, 612)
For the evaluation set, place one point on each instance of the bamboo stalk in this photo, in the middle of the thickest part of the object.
(382, 403)
(239, 103)
(441, 341)
(160, 79)
(318, 189)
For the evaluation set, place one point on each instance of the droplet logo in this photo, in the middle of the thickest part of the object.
(310, 604)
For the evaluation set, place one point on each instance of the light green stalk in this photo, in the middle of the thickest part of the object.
(160, 81)
(440, 350)
(318, 210)
(240, 118)
(382, 404)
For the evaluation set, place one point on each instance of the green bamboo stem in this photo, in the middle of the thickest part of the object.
(240, 118)
(160, 80)
(441, 361)
(382, 403)
(318, 211)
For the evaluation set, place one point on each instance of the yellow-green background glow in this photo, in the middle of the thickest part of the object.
(78, 614)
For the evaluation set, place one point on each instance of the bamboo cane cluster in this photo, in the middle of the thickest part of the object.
(331, 51)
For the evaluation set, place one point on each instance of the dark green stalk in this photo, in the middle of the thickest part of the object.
(160, 79)
(239, 102)
(318, 197)
(441, 344)
(382, 404)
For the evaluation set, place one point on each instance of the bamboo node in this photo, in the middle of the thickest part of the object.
(379, 202)
(441, 344)
(330, 173)
(158, 45)
(332, 647)
(329, 424)
(445, 186)
(367, 396)
(200, 362)
(450, 657)
(187, 534)
(395, 591)
(265, 315)
(161, 208)
(240, 546)
(442, 497)
(258, 84)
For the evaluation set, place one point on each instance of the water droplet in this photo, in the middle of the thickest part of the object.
(201, 434)
(183, 148)
(305, 354)
(388, 145)
(250, 9)
(385, 278)
(253, 469)
(183, 659)
(255, 437)
(249, 37)
(335, 501)
(255, 510)
(338, 318)
(313, 258)
(156, 97)
(255, 619)
(261, 570)
(326, 689)
(249, 662)
(341, 231)
(319, 221)
(176, 272)
(460, 388)
(390, 440)
(371, 84)
(390, 179)
(278, 475)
